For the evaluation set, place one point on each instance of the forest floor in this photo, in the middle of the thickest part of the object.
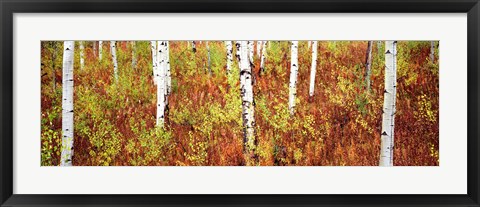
(340, 126)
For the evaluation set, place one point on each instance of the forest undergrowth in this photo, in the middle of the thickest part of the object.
(339, 126)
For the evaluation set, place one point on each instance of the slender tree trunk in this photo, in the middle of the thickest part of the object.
(154, 61)
(368, 65)
(432, 51)
(259, 48)
(388, 116)
(229, 47)
(250, 52)
(313, 70)
(246, 92)
(82, 59)
(113, 50)
(54, 57)
(209, 60)
(238, 53)
(293, 77)
(264, 56)
(95, 48)
(134, 54)
(100, 49)
(194, 49)
(161, 84)
(67, 104)
(168, 73)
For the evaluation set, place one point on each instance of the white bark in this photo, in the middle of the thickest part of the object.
(388, 116)
(134, 54)
(67, 104)
(113, 50)
(194, 49)
(82, 59)
(432, 51)
(368, 64)
(167, 62)
(100, 49)
(246, 92)
(161, 105)
(250, 52)
(264, 56)
(309, 44)
(229, 47)
(293, 77)
(313, 69)
(161, 84)
(154, 61)
(237, 53)
(259, 48)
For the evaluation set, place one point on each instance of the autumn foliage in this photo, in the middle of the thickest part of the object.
(114, 121)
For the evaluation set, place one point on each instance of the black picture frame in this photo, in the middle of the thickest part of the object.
(9, 7)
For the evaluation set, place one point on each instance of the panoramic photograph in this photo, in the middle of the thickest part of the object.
(239, 103)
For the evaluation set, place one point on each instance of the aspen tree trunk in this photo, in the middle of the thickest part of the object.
(259, 48)
(194, 49)
(113, 50)
(154, 61)
(95, 48)
(389, 98)
(100, 49)
(229, 47)
(54, 57)
(293, 77)
(67, 104)
(161, 84)
(368, 65)
(237, 53)
(432, 51)
(250, 52)
(82, 60)
(246, 93)
(168, 73)
(313, 69)
(209, 60)
(264, 56)
(134, 54)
